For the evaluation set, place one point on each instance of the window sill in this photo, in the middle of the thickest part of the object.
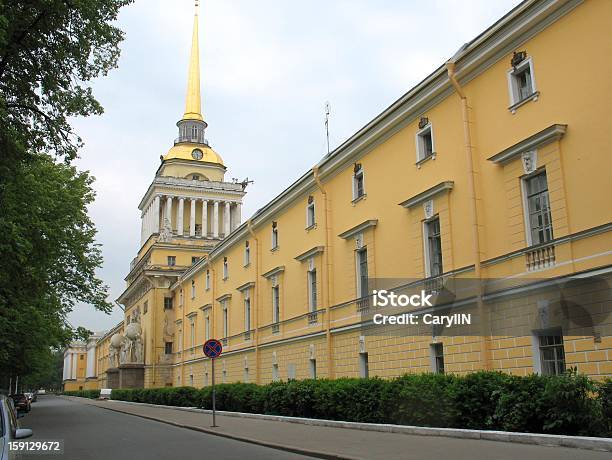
(532, 97)
(359, 198)
(426, 159)
(311, 227)
(247, 265)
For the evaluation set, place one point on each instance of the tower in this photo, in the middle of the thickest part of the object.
(186, 211)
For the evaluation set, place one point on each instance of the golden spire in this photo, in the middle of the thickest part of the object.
(193, 106)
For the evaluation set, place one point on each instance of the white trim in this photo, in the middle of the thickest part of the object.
(420, 145)
(512, 86)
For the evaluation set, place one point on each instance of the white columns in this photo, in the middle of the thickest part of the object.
(179, 219)
(156, 205)
(204, 218)
(226, 219)
(216, 220)
(192, 217)
(169, 210)
(238, 215)
(73, 370)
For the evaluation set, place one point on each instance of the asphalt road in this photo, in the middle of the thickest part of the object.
(91, 433)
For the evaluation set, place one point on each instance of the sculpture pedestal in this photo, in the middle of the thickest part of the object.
(112, 378)
(131, 376)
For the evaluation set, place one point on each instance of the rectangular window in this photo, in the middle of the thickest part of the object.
(552, 354)
(190, 380)
(275, 374)
(276, 304)
(192, 333)
(312, 289)
(274, 236)
(437, 353)
(313, 368)
(247, 253)
(207, 328)
(145, 307)
(521, 82)
(433, 248)
(168, 303)
(193, 289)
(207, 280)
(171, 261)
(246, 375)
(168, 348)
(225, 320)
(247, 313)
(225, 269)
(362, 272)
(539, 219)
(425, 144)
(358, 182)
(194, 260)
(310, 215)
(364, 366)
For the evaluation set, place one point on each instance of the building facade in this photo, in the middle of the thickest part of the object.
(494, 170)
(80, 369)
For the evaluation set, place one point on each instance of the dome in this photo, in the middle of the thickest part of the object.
(116, 340)
(132, 331)
(185, 151)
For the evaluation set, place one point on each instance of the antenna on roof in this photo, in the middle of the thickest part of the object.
(327, 112)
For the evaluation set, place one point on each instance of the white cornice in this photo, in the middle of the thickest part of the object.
(308, 254)
(537, 140)
(446, 186)
(274, 271)
(345, 235)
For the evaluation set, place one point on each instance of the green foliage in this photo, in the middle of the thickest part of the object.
(49, 260)
(91, 394)
(605, 398)
(49, 50)
(569, 404)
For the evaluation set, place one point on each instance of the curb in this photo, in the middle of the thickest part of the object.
(550, 440)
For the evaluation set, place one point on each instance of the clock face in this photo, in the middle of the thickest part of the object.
(197, 154)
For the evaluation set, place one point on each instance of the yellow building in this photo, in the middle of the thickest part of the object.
(493, 168)
(80, 370)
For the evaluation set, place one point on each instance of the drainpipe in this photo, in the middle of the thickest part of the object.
(256, 308)
(328, 272)
(469, 157)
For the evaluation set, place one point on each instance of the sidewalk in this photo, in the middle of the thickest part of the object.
(343, 443)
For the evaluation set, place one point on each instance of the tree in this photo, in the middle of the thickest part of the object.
(49, 50)
(49, 258)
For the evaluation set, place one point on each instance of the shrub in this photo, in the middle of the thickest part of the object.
(91, 394)
(570, 404)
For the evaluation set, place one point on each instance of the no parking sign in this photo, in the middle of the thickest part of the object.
(213, 349)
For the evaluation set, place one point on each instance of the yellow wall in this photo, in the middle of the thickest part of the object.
(572, 79)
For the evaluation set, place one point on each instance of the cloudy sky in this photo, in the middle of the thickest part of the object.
(268, 67)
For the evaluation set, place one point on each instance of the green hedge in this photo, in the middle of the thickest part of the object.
(91, 394)
(570, 404)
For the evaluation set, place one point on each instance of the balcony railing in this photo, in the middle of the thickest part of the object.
(540, 257)
(363, 304)
(199, 139)
(313, 317)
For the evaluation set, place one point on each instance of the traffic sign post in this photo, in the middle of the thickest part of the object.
(213, 349)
